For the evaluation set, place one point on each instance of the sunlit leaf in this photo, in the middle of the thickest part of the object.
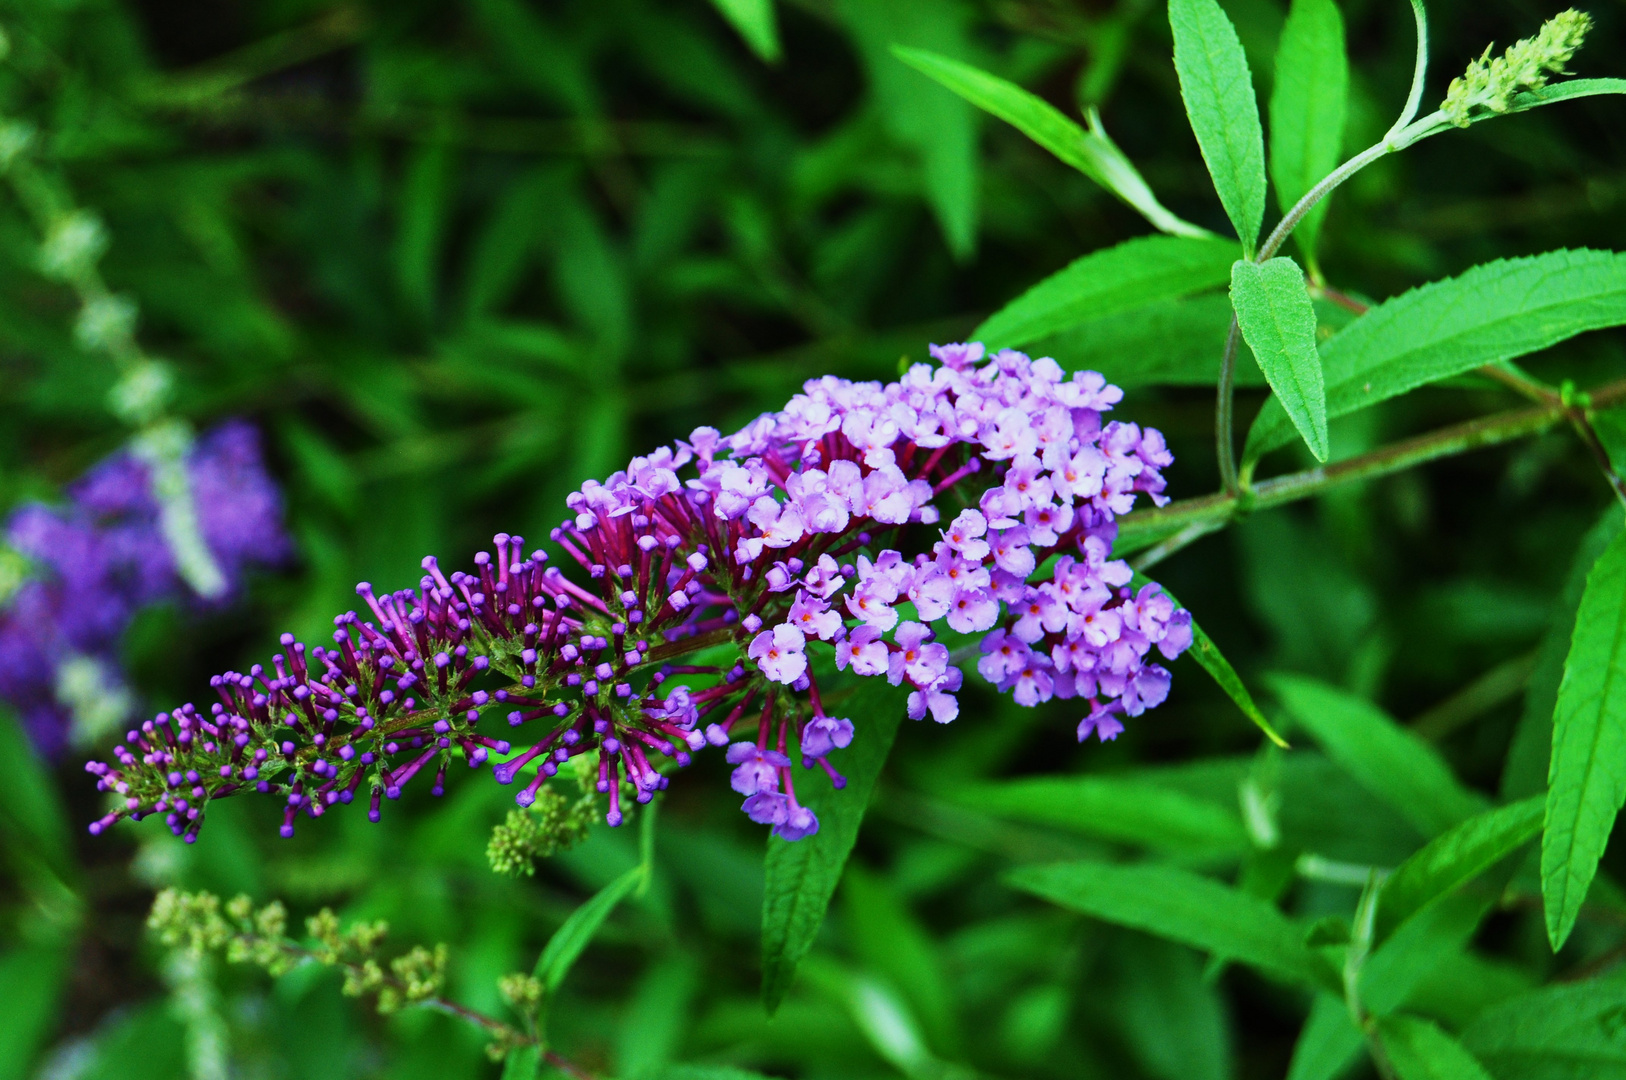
(755, 22)
(1456, 856)
(1419, 1050)
(1273, 309)
(1496, 311)
(1218, 91)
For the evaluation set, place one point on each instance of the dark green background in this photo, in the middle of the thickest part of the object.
(453, 259)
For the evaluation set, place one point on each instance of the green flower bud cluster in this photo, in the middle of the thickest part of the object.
(548, 826)
(199, 923)
(1492, 83)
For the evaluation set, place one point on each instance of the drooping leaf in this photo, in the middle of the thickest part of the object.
(1106, 282)
(1419, 1050)
(1307, 107)
(801, 877)
(1496, 311)
(1090, 152)
(936, 124)
(1218, 91)
(1163, 819)
(1328, 1043)
(577, 931)
(1563, 1032)
(1278, 323)
(754, 21)
(1181, 906)
(1587, 780)
(1389, 761)
(1456, 856)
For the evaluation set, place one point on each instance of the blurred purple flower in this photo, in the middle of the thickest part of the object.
(102, 557)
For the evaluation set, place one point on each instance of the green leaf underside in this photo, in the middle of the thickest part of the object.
(754, 21)
(567, 943)
(1456, 856)
(801, 877)
(1564, 1032)
(1387, 760)
(1164, 819)
(1107, 282)
(1566, 91)
(1218, 92)
(1496, 311)
(1087, 151)
(1419, 1050)
(1278, 322)
(1328, 1043)
(1210, 659)
(1307, 108)
(1586, 782)
(1181, 906)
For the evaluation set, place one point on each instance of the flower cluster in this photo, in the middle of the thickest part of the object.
(89, 566)
(1493, 83)
(702, 579)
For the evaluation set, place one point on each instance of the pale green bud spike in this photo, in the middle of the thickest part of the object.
(1491, 84)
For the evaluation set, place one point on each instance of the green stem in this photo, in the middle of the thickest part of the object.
(1224, 441)
(1222, 508)
(1414, 100)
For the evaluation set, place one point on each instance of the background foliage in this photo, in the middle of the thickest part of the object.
(455, 258)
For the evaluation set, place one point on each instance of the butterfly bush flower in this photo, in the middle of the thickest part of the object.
(102, 557)
(699, 590)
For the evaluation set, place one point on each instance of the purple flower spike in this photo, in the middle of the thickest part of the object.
(696, 590)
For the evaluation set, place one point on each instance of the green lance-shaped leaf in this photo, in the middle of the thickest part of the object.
(1218, 91)
(1555, 1032)
(1307, 108)
(1456, 856)
(560, 953)
(1328, 1042)
(1386, 759)
(1496, 311)
(1090, 152)
(801, 877)
(1181, 906)
(1115, 279)
(754, 21)
(1564, 91)
(1586, 782)
(1525, 772)
(1164, 819)
(1278, 323)
(1419, 1050)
